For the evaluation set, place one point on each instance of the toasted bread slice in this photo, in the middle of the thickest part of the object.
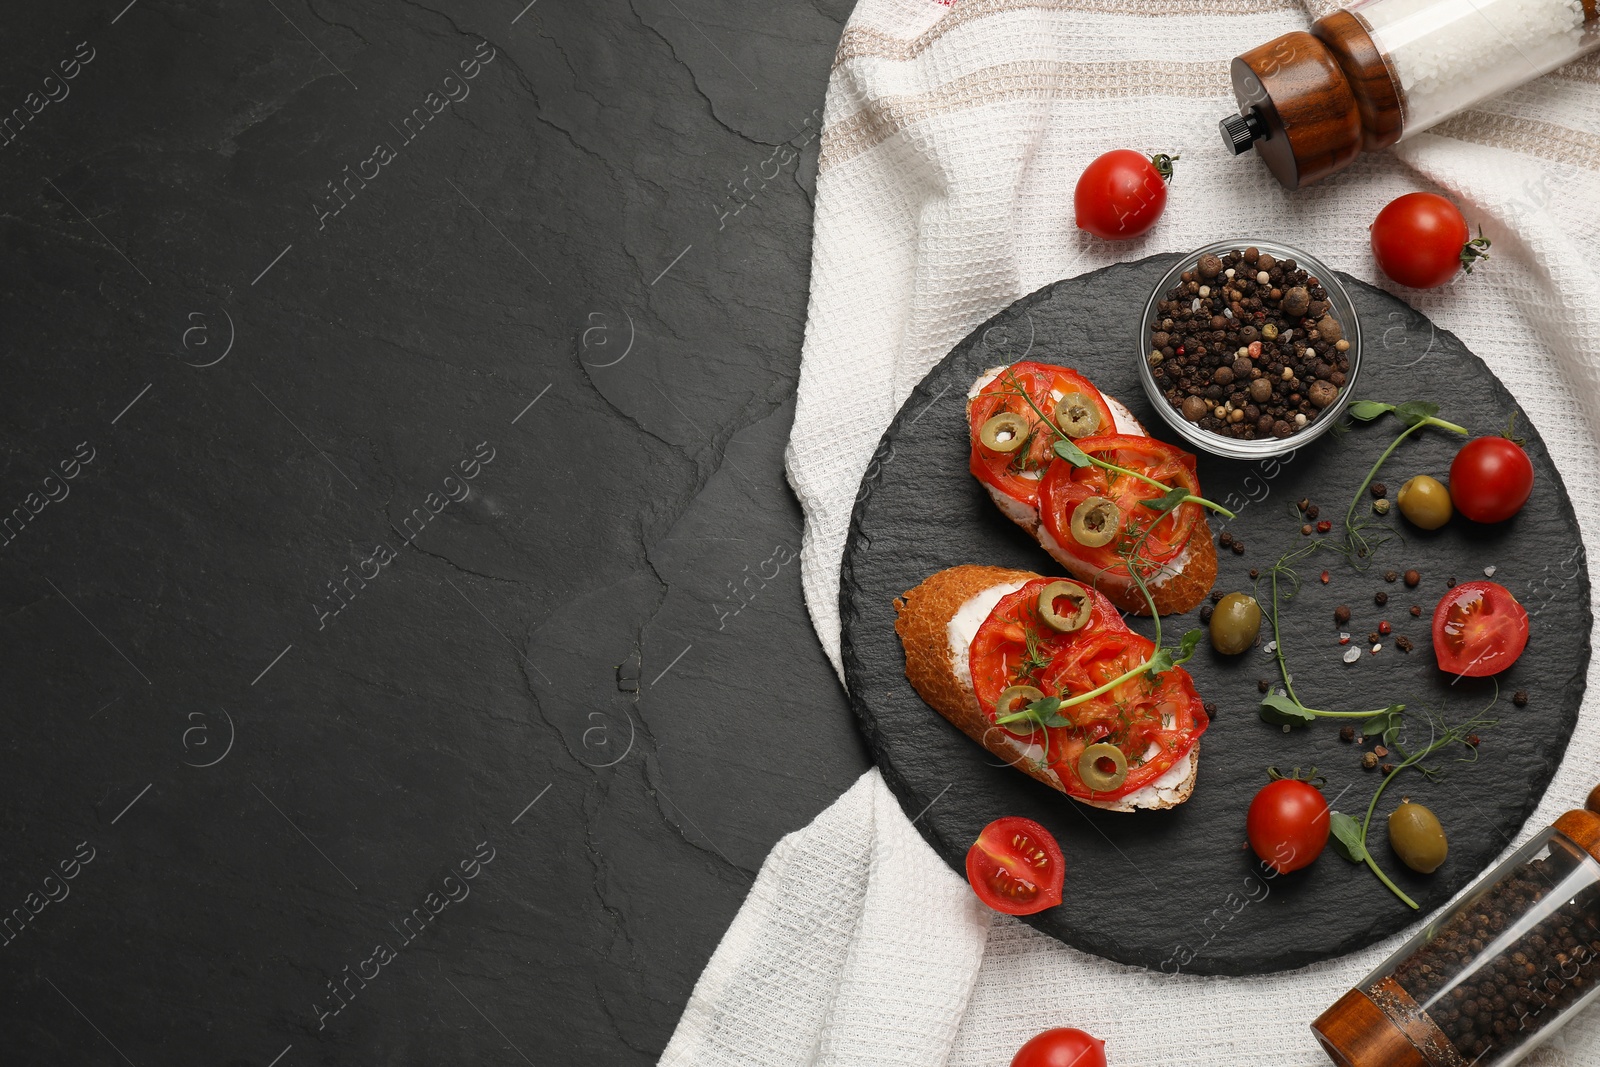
(934, 628)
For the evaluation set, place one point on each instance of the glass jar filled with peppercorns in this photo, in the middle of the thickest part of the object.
(1493, 976)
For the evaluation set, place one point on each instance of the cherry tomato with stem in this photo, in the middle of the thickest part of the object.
(1490, 479)
(1061, 1047)
(1288, 824)
(1121, 194)
(1016, 867)
(1479, 629)
(1421, 240)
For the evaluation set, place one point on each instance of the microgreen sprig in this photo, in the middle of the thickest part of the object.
(1350, 836)
(1416, 414)
(1046, 712)
(1286, 708)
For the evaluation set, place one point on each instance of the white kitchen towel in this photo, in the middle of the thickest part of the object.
(953, 135)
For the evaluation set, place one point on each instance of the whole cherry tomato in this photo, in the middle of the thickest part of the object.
(1061, 1047)
(1122, 194)
(1288, 824)
(1479, 629)
(1421, 240)
(1015, 866)
(1490, 479)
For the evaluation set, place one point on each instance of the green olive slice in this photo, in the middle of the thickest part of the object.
(1004, 432)
(1077, 416)
(1081, 606)
(1091, 767)
(1095, 522)
(1013, 699)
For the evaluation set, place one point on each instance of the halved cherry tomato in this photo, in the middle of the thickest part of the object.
(1288, 824)
(1013, 646)
(1479, 629)
(1017, 473)
(1015, 866)
(1061, 1047)
(1064, 487)
(1152, 722)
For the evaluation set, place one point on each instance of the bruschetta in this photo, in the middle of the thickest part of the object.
(1092, 520)
(983, 643)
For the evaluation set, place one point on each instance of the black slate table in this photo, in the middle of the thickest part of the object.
(405, 659)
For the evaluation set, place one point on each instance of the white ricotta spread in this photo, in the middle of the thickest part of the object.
(963, 627)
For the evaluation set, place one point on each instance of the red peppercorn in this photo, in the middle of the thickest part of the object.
(1324, 577)
(1324, 526)
(1384, 628)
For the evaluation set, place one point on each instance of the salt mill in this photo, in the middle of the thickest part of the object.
(1380, 71)
(1492, 977)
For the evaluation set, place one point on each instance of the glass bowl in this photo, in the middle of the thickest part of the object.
(1262, 447)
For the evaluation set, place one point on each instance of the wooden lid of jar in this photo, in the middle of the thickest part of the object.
(1372, 83)
(1296, 87)
(1355, 1032)
(1582, 826)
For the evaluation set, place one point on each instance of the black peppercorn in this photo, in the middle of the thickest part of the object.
(1263, 685)
(1341, 614)
(1416, 611)
(1347, 733)
(1379, 489)
(1403, 643)
(1380, 598)
(1206, 611)
(1520, 698)
(1390, 576)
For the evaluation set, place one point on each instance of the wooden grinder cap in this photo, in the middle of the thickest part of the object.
(1295, 92)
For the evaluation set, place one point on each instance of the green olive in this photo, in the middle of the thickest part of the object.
(1013, 699)
(1235, 623)
(1417, 838)
(1103, 767)
(1079, 606)
(1095, 522)
(1004, 432)
(1077, 416)
(1425, 502)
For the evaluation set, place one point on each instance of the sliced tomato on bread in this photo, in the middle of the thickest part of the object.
(972, 633)
(1014, 405)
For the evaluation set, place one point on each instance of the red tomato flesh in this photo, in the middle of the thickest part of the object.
(1119, 195)
(1061, 1047)
(1490, 479)
(1479, 629)
(1288, 824)
(1013, 646)
(1065, 487)
(1016, 867)
(1417, 239)
(1017, 473)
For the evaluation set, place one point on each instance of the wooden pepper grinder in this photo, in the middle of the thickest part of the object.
(1492, 977)
(1380, 71)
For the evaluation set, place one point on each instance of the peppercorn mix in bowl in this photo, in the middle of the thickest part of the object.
(1249, 349)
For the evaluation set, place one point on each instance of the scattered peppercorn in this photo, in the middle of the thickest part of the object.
(1254, 573)
(1341, 614)
(1416, 611)
(1387, 769)
(1413, 579)
(1263, 685)
(1380, 750)
(1379, 490)
(1390, 576)
(1205, 611)
(1369, 760)
(1520, 698)
(1302, 503)
(1380, 507)
(1312, 511)
(1325, 578)
(1211, 709)
(1347, 733)
(1305, 531)
(1238, 548)
(1473, 740)
(1450, 581)
(1384, 628)
(1403, 643)
(1216, 596)
(1225, 539)
(1380, 598)
(1372, 638)
(1324, 526)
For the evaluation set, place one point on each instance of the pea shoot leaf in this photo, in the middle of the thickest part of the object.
(1415, 411)
(1167, 501)
(1367, 410)
(1385, 724)
(1072, 453)
(1047, 712)
(1280, 709)
(1346, 835)
(1165, 659)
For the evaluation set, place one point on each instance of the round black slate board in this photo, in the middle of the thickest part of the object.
(1177, 890)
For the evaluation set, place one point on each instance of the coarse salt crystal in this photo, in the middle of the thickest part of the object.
(1270, 647)
(1488, 572)
(1376, 649)
(1195, 306)
(1352, 654)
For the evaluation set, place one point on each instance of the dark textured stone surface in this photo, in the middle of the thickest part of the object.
(1157, 888)
(566, 632)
